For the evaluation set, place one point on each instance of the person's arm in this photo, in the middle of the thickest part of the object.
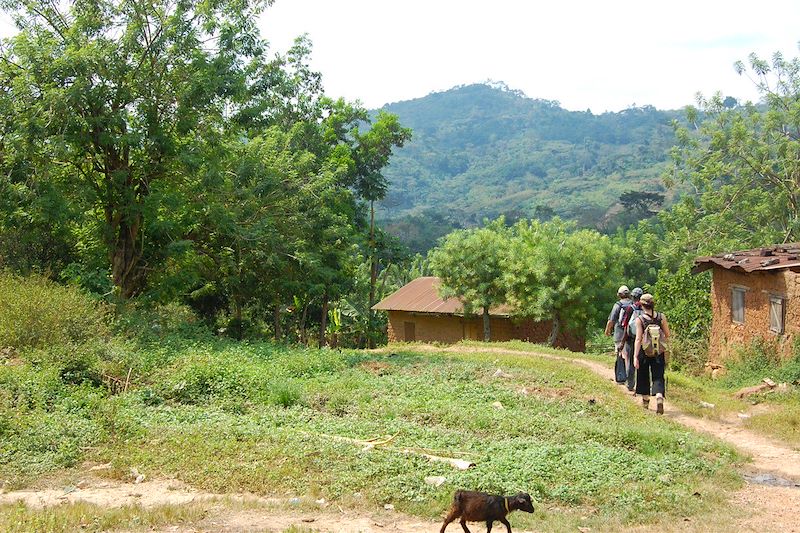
(612, 319)
(665, 326)
(638, 343)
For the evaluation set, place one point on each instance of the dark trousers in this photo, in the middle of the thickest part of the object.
(650, 366)
(631, 381)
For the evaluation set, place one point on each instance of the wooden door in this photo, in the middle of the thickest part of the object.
(410, 331)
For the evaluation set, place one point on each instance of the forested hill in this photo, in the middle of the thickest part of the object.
(484, 150)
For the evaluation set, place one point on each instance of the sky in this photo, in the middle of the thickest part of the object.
(603, 56)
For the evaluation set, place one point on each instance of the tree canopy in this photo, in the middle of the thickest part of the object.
(161, 150)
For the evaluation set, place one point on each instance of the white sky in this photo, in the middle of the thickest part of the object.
(586, 54)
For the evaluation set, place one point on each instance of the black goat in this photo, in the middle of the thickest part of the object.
(481, 507)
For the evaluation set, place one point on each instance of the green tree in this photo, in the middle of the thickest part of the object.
(554, 272)
(372, 152)
(469, 263)
(744, 163)
(110, 98)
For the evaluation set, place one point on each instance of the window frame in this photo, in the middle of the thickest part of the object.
(737, 291)
(781, 300)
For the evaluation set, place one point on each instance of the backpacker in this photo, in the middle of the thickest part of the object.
(635, 313)
(654, 341)
(625, 311)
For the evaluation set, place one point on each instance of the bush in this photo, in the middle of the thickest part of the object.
(36, 312)
(759, 360)
(156, 322)
(688, 355)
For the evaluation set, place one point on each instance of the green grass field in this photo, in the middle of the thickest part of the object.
(231, 417)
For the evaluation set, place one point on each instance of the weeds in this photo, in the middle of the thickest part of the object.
(19, 518)
(36, 312)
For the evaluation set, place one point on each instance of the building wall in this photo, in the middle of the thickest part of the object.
(726, 334)
(451, 329)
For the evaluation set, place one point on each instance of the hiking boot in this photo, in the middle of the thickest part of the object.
(646, 403)
(660, 406)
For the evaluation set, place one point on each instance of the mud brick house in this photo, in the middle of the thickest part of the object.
(754, 293)
(417, 313)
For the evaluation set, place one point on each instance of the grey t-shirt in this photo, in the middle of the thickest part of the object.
(619, 331)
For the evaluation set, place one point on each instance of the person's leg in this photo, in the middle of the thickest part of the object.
(658, 366)
(631, 383)
(643, 380)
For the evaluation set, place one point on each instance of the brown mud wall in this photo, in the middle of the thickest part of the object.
(726, 335)
(451, 329)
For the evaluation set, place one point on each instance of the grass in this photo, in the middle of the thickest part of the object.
(231, 417)
(20, 518)
(774, 413)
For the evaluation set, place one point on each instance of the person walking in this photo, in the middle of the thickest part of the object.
(652, 332)
(629, 322)
(614, 326)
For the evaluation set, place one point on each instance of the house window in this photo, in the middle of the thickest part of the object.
(777, 314)
(737, 305)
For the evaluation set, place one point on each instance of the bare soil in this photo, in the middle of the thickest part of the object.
(761, 508)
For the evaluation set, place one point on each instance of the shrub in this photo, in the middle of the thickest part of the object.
(688, 355)
(37, 312)
(759, 360)
(156, 322)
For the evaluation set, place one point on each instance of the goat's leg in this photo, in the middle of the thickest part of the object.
(489, 526)
(508, 526)
(464, 525)
(452, 515)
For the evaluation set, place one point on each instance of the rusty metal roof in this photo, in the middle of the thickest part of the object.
(422, 296)
(778, 257)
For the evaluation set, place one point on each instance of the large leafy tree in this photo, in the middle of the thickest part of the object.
(554, 272)
(111, 100)
(470, 265)
(744, 164)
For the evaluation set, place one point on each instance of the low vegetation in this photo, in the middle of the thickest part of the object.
(229, 416)
(774, 412)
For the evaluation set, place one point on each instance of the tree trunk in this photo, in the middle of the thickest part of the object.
(276, 322)
(373, 276)
(554, 332)
(237, 316)
(487, 332)
(323, 321)
(125, 252)
(303, 318)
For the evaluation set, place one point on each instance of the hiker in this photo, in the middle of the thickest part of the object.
(629, 323)
(615, 326)
(652, 333)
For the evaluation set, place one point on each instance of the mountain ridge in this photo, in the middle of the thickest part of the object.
(483, 150)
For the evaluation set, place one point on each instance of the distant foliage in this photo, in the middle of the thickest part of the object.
(506, 153)
(36, 312)
(557, 272)
(544, 270)
(686, 299)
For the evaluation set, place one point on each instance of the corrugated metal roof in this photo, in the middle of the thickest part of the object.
(778, 257)
(422, 296)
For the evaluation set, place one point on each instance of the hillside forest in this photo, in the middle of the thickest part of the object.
(163, 156)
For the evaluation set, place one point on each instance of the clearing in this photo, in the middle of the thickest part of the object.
(237, 467)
